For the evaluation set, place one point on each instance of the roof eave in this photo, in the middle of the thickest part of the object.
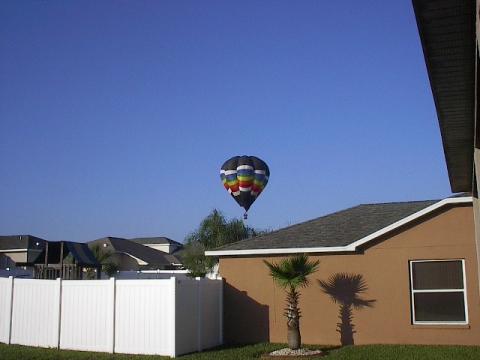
(447, 34)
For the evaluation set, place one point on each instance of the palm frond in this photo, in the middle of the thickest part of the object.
(105, 258)
(293, 271)
(109, 268)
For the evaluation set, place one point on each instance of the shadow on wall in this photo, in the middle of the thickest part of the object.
(345, 290)
(246, 321)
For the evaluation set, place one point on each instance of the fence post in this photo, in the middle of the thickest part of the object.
(10, 308)
(220, 310)
(58, 290)
(173, 320)
(112, 286)
(200, 310)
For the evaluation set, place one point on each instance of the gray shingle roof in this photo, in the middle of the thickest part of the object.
(8, 242)
(151, 256)
(337, 229)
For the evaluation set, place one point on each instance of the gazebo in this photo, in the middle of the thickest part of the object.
(66, 260)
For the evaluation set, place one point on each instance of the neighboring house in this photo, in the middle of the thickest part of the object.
(417, 258)
(21, 250)
(132, 255)
(160, 243)
(43, 258)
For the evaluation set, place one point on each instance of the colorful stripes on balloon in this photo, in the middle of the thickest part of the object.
(245, 177)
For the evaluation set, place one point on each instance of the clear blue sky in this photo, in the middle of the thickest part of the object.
(115, 116)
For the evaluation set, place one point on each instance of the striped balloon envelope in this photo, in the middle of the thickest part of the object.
(245, 177)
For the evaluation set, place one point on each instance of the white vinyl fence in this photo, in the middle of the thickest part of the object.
(163, 317)
(150, 274)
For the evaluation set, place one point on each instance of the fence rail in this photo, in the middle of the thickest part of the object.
(161, 317)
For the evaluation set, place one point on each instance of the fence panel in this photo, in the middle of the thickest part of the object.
(87, 315)
(35, 314)
(5, 308)
(151, 274)
(159, 317)
(211, 308)
(144, 317)
(187, 316)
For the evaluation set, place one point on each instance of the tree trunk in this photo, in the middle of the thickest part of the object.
(292, 312)
(293, 338)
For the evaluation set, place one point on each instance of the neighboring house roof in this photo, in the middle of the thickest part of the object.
(33, 245)
(152, 257)
(341, 231)
(81, 253)
(35, 248)
(155, 240)
(9, 242)
(178, 253)
(447, 32)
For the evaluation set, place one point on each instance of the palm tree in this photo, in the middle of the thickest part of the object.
(291, 274)
(345, 289)
(214, 231)
(105, 258)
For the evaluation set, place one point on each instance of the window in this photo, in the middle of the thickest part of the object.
(438, 292)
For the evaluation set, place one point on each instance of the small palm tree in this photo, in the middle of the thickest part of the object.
(105, 258)
(291, 274)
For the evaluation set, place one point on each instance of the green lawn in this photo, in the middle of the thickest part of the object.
(368, 352)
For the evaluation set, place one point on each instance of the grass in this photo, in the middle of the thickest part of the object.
(370, 352)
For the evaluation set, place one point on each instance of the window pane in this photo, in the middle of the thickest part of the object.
(439, 306)
(437, 275)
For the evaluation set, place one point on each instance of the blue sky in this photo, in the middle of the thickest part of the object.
(115, 116)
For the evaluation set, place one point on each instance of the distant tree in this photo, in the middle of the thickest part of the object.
(292, 274)
(105, 258)
(194, 259)
(214, 231)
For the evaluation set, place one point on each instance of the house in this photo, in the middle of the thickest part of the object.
(21, 250)
(421, 266)
(416, 258)
(160, 243)
(132, 254)
(44, 259)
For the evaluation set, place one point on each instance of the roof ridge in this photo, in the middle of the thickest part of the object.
(145, 239)
(400, 202)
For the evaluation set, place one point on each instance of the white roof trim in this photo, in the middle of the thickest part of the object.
(13, 250)
(279, 251)
(138, 260)
(351, 247)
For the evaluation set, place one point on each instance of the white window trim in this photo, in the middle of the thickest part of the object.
(413, 292)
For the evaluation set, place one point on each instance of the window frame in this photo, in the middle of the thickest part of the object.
(413, 292)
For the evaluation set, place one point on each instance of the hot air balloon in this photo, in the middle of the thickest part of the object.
(244, 177)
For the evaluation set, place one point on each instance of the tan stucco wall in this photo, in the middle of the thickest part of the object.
(253, 304)
(476, 217)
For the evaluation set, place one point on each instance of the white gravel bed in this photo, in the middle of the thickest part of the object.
(298, 352)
